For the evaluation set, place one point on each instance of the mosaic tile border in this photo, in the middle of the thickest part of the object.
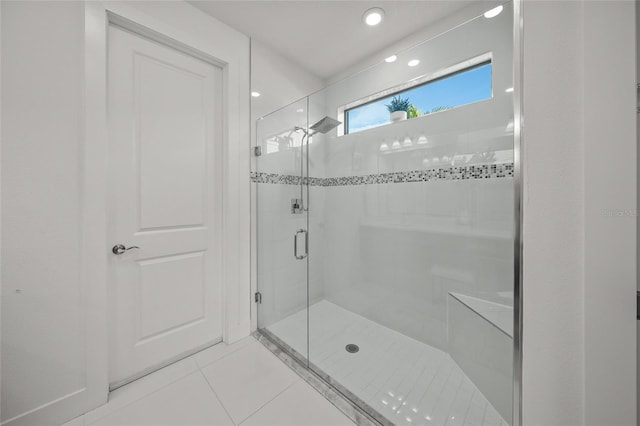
(285, 179)
(482, 171)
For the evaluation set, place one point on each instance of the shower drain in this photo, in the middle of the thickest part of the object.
(351, 348)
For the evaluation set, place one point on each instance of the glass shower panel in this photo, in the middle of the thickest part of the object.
(282, 201)
(412, 232)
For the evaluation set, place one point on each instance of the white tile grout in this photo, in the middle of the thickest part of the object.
(270, 401)
(216, 396)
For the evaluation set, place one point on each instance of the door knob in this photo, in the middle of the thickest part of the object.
(120, 248)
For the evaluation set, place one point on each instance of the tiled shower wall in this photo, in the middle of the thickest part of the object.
(392, 252)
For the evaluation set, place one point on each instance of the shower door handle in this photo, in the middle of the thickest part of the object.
(295, 244)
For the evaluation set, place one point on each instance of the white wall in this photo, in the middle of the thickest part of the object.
(610, 215)
(42, 101)
(579, 264)
(278, 80)
(553, 228)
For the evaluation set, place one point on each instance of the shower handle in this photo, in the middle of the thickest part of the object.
(295, 244)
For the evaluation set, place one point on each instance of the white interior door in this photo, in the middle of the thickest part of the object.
(164, 111)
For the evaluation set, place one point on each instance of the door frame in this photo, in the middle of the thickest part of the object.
(180, 26)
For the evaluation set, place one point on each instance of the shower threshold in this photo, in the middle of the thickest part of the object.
(342, 398)
(392, 379)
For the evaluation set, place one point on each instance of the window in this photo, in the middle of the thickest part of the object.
(454, 89)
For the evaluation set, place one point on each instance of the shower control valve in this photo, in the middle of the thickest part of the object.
(296, 206)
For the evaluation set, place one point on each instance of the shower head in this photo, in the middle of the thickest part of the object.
(325, 125)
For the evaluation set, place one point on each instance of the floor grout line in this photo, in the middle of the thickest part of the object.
(270, 401)
(218, 398)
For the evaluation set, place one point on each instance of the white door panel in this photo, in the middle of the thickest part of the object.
(165, 198)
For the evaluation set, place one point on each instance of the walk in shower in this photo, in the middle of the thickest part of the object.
(385, 248)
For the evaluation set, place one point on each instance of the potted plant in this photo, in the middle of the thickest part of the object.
(413, 112)
(398, 108)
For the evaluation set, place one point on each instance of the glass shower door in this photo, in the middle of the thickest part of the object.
(412, 224)
(282, 224)
(386, 248)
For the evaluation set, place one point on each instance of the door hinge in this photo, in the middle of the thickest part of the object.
(257, 151)
(258, 297)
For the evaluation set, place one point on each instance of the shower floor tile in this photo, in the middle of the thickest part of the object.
(409, 382)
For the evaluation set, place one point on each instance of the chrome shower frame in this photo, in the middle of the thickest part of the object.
(518, 161)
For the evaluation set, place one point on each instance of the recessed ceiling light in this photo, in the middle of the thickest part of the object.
(373, 16)
(493, 12)
(413, 62)
(300, 110)
(509, 90)
(391, 58)
(255, 94)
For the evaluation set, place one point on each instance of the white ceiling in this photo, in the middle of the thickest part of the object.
(327, 37)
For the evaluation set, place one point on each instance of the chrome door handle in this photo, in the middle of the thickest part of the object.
(295, 244)
(120, 248)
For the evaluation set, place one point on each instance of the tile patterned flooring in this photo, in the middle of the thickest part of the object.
(239, 384)
(408, 382)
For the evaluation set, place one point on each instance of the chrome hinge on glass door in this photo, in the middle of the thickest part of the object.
(258, 298)
(295, 244)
